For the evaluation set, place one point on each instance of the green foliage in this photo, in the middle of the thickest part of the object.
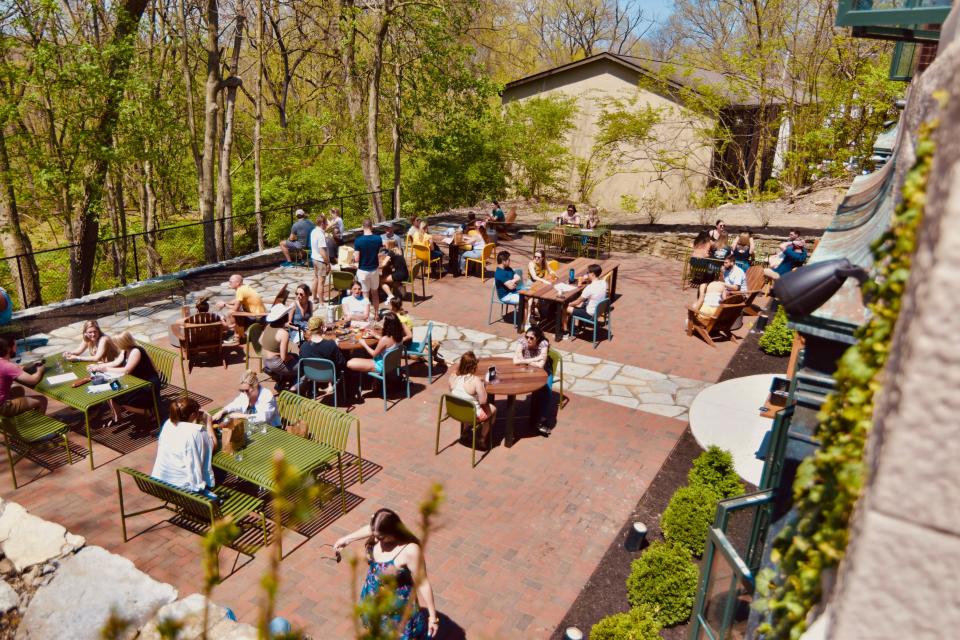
(640, 623)
(664, 578)
(629, 203)
(534, 136)
(689, 516)
(714, 469)
(777, 338)
(829, 482)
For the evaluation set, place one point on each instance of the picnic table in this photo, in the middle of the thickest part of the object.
(512, 380)
(598, 238)
(549, 293)
(79, 398)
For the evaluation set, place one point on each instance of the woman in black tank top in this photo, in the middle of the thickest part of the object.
(134, 361)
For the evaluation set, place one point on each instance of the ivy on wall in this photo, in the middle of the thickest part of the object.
(829, 482)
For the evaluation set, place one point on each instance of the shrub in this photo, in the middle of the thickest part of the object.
(665, 579)
(629, 203)
(639, 623)
(714, 468)
(689, 515)
(777, 338)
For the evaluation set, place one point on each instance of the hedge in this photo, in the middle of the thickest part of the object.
(664, 578)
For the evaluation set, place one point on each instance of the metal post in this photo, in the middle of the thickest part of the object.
(23, 289)
(136, 259)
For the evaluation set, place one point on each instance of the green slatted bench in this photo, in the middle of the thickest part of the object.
(327, 425)
(152, 287)
(191, 506)
(162, 360)
(31, 430)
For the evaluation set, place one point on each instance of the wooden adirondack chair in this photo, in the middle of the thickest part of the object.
(756, 284)
(722, 324)
(202, 339)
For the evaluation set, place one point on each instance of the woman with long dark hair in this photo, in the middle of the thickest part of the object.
(392, 338)
(392, 550)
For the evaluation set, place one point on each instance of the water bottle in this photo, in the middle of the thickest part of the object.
(573, 275)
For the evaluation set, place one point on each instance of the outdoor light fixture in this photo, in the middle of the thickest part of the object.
(804, 290)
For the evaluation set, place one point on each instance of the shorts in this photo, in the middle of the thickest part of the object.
(368, 280)
(581, 312)
(511, 298)
(293, 244)
(14, 407)
(322, 269)
(707, 311)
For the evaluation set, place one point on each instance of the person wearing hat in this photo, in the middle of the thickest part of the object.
(794, 255)
(318, 345)
(299, 235)
(278, 361)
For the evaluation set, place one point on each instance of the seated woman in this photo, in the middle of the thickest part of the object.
(423, 237)
(533, 349)
(743, 250)
(356, 307)
(392, 338)
(570, 218)
(279, 362)
(393, 270)
(539, 270)
(466, 384)
(185, 448)
(299, 313)
(396, 307)
(132, 360)
(96, 346)
(701, 245)
(593, 219)
(254, 402)
(318, 345)
(721, 245)
(477, 241)
(709, 299)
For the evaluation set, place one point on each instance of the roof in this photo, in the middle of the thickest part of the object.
(679, 76)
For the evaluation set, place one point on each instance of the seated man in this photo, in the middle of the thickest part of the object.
(12, 400)
(774, 260)
(734, 279)
(391, 235)
(595, 291)
(509, 282)
(299, 239)
(794, 255)
(247, 300)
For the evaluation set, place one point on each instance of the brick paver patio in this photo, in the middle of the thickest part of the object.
(518, 536)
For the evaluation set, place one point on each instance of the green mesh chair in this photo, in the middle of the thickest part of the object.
(464, 412)
(254, 351)
(31, 430)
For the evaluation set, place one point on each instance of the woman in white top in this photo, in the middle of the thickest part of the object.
(468, 385)
(254, 402)
(185, 448)
(709, 299)
(355, 306)
(96, 346)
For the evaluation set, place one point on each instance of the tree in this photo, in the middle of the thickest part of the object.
(535, 133)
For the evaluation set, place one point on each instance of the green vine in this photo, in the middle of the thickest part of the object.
(829, 482)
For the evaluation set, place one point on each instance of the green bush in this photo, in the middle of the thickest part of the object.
(714, 468)
(665, 579)
(689, 515)
(777, 338)
(640, 623)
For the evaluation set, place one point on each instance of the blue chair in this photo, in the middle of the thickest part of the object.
(601, 317)
(424, 349)
(494, 299)
(392, 361)
(318, 370)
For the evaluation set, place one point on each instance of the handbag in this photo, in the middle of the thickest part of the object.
(233, 435)
(298, 428)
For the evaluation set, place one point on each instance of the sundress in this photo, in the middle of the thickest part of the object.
(416, 628)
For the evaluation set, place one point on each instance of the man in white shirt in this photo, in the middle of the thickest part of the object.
(319, 254)
(336, 225)
(595, 291)
(734, 279)
(254, 402)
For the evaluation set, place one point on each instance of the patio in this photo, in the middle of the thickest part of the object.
(518, 536)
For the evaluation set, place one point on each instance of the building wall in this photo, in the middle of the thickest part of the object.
(604, 79)
(901, 576)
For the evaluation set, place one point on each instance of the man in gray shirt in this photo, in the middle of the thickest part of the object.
(299, 235)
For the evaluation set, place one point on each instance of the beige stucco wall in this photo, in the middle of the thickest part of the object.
(604, 79)
(901, 576)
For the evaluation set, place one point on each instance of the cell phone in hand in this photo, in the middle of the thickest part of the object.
(491, 374)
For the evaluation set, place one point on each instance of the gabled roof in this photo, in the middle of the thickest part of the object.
(680, 76)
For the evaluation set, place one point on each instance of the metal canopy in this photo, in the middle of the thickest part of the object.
(891, 13)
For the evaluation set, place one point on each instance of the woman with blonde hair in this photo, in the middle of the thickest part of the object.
(95, 347)
(254, 402)
(743, 250)
(133, 360)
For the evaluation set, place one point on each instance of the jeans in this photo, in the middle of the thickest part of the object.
(540, 401)
(473, 253)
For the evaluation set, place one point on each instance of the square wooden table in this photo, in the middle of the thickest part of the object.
(548, 293)
(80, 398)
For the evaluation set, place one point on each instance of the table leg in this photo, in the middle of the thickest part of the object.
(560, 305)
(511, 409)
(86, 421)
(521, 313)
(613, 283)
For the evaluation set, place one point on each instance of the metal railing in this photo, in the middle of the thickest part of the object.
(122, 260)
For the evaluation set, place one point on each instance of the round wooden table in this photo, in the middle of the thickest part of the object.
(512, 380)
(352, 342)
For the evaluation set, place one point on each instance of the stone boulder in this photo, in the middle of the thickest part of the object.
(85, 590)
(8, 597)
(189, 613)
(27, 540)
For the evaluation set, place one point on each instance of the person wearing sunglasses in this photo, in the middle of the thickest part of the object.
(254, 402)
(533, 349)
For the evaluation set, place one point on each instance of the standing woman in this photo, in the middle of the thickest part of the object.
(300, 313)
(96, 346)
(134, 361)
(392, 550)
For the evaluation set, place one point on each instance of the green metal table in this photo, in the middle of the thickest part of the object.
(80, 398)
(254, 463)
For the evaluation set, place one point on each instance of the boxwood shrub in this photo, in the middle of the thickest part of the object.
(714, 468)
(664, 578)
(689, 515)
(777, 338)
(640, 623)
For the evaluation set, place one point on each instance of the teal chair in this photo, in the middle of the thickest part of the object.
(424, 349)
(392, 361)
(317, 370)
(494, 299)
(601, 318)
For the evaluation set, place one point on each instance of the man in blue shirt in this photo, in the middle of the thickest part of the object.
(508, 281)
(794, 255)
(367, 248)
(299, 239)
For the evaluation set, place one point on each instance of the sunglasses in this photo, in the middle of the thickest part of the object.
(245, 390)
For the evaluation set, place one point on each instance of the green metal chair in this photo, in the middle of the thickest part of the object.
(556, 363)
(162, 360)
(424, 349)
(464, 412)
(341, 281)
(392, 361)
(318, 370)
(601, 317)
(189, 505)
(31, 430)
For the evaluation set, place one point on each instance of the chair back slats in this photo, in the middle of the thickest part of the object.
(190, 504)
(253, 337)
(203, 318)
(318, 369)
(392, 359)
(326, 425)
(460, 409)
(162, 360)
(203, 336)
(755, 278)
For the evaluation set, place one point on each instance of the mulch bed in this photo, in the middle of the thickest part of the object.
(605, 593)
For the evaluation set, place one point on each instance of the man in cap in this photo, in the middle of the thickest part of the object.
(299, 235)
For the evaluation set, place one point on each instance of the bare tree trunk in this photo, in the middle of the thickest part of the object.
(225, 187)
(397, 94)
(210, 133)
(15, 242)
(148, 217)
(372, 174)
(118, 221)
(191, 108)
(257, 134)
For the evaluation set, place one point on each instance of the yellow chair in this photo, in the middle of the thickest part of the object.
(486, 254)
(554, 266)
(422, 254)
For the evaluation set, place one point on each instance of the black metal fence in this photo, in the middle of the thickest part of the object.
(124, 259)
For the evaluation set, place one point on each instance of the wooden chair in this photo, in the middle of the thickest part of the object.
(721, 324)
(31, 430)
(200, 340)
(756, 284)
(558, 239)
(485, 256)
